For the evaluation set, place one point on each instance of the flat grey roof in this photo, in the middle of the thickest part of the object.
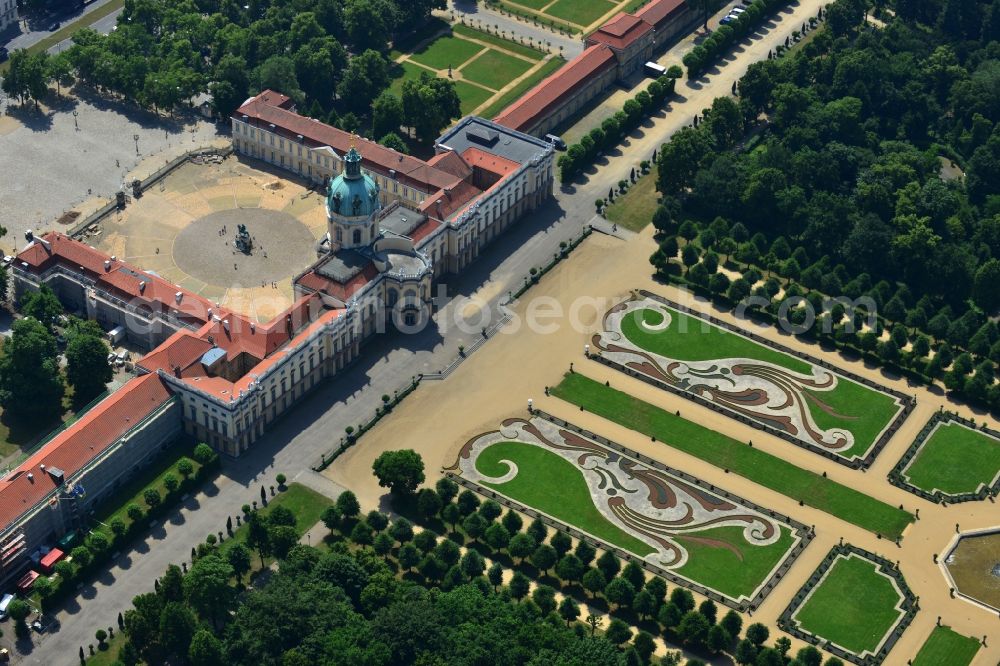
(402, 263)
(343, 265)
(402, 221)
(476, 132)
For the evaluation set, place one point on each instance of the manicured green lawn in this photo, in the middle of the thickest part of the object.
(690, 338)
(760, 467)
(721, 569)
(515, 47)
(304, 502)
(495, 70)
(151, 477)
(634, 209)
(536, 15)
(471, 95)
(109, 656)
(944, 647)
(554, 486)
(406, 71)
(854, 607)
(445, 52)
(851, 406)
(515, 93)
(954, 460)
(550, 484)
(534, 4)
(581, 12)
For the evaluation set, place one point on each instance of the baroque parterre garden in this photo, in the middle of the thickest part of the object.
(478, 63)
(701, 534)
(811, 405)
(953, 458)
(856, 603)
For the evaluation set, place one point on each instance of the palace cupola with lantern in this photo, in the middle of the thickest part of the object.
(352, 206)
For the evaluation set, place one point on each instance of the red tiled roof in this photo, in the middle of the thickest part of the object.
(425, 229)
(659, 12)
(180, 350)
(324, 319)
(81, 442)
(444, 203)
(51, 558)
(557, 88)
(225, 329)
(275, 98)
(499, 166)
(620, 32)
(116, 276)
(451, 162)
(409, 170)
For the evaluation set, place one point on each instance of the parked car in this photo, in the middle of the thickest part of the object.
(55, 26)
(5, 604)
(556, 141)
(727, 19)
(736, 11)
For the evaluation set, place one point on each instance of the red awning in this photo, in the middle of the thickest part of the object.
(27, 581)
(49, 560)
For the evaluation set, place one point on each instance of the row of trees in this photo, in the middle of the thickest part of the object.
(550, 557)
(162, 54)
(29, 74)
(329, 607)
(929, 346)
(844, 194)
(704, 55)
(32, 384)
(96, 549)
(581, 155)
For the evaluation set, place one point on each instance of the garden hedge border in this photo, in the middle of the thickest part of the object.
(897, 477)
(910, 604)
(804, 532)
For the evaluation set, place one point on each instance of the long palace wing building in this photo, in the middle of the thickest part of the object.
(395, 224)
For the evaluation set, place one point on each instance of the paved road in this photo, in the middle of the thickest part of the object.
(478, 14)
(101, 25)
(38, 30)
(315, 426)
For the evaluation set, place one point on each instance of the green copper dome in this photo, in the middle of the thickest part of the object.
(352, 194)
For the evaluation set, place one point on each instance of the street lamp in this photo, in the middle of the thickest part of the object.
(75, 123)
(135, 137)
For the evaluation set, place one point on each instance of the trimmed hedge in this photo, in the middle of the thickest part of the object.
(705, 54)
(99, 556)
(581, 155)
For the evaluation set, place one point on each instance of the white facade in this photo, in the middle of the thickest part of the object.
(317, 164)
(8, 13)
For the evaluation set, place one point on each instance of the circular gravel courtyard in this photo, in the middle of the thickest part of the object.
(282, 247)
